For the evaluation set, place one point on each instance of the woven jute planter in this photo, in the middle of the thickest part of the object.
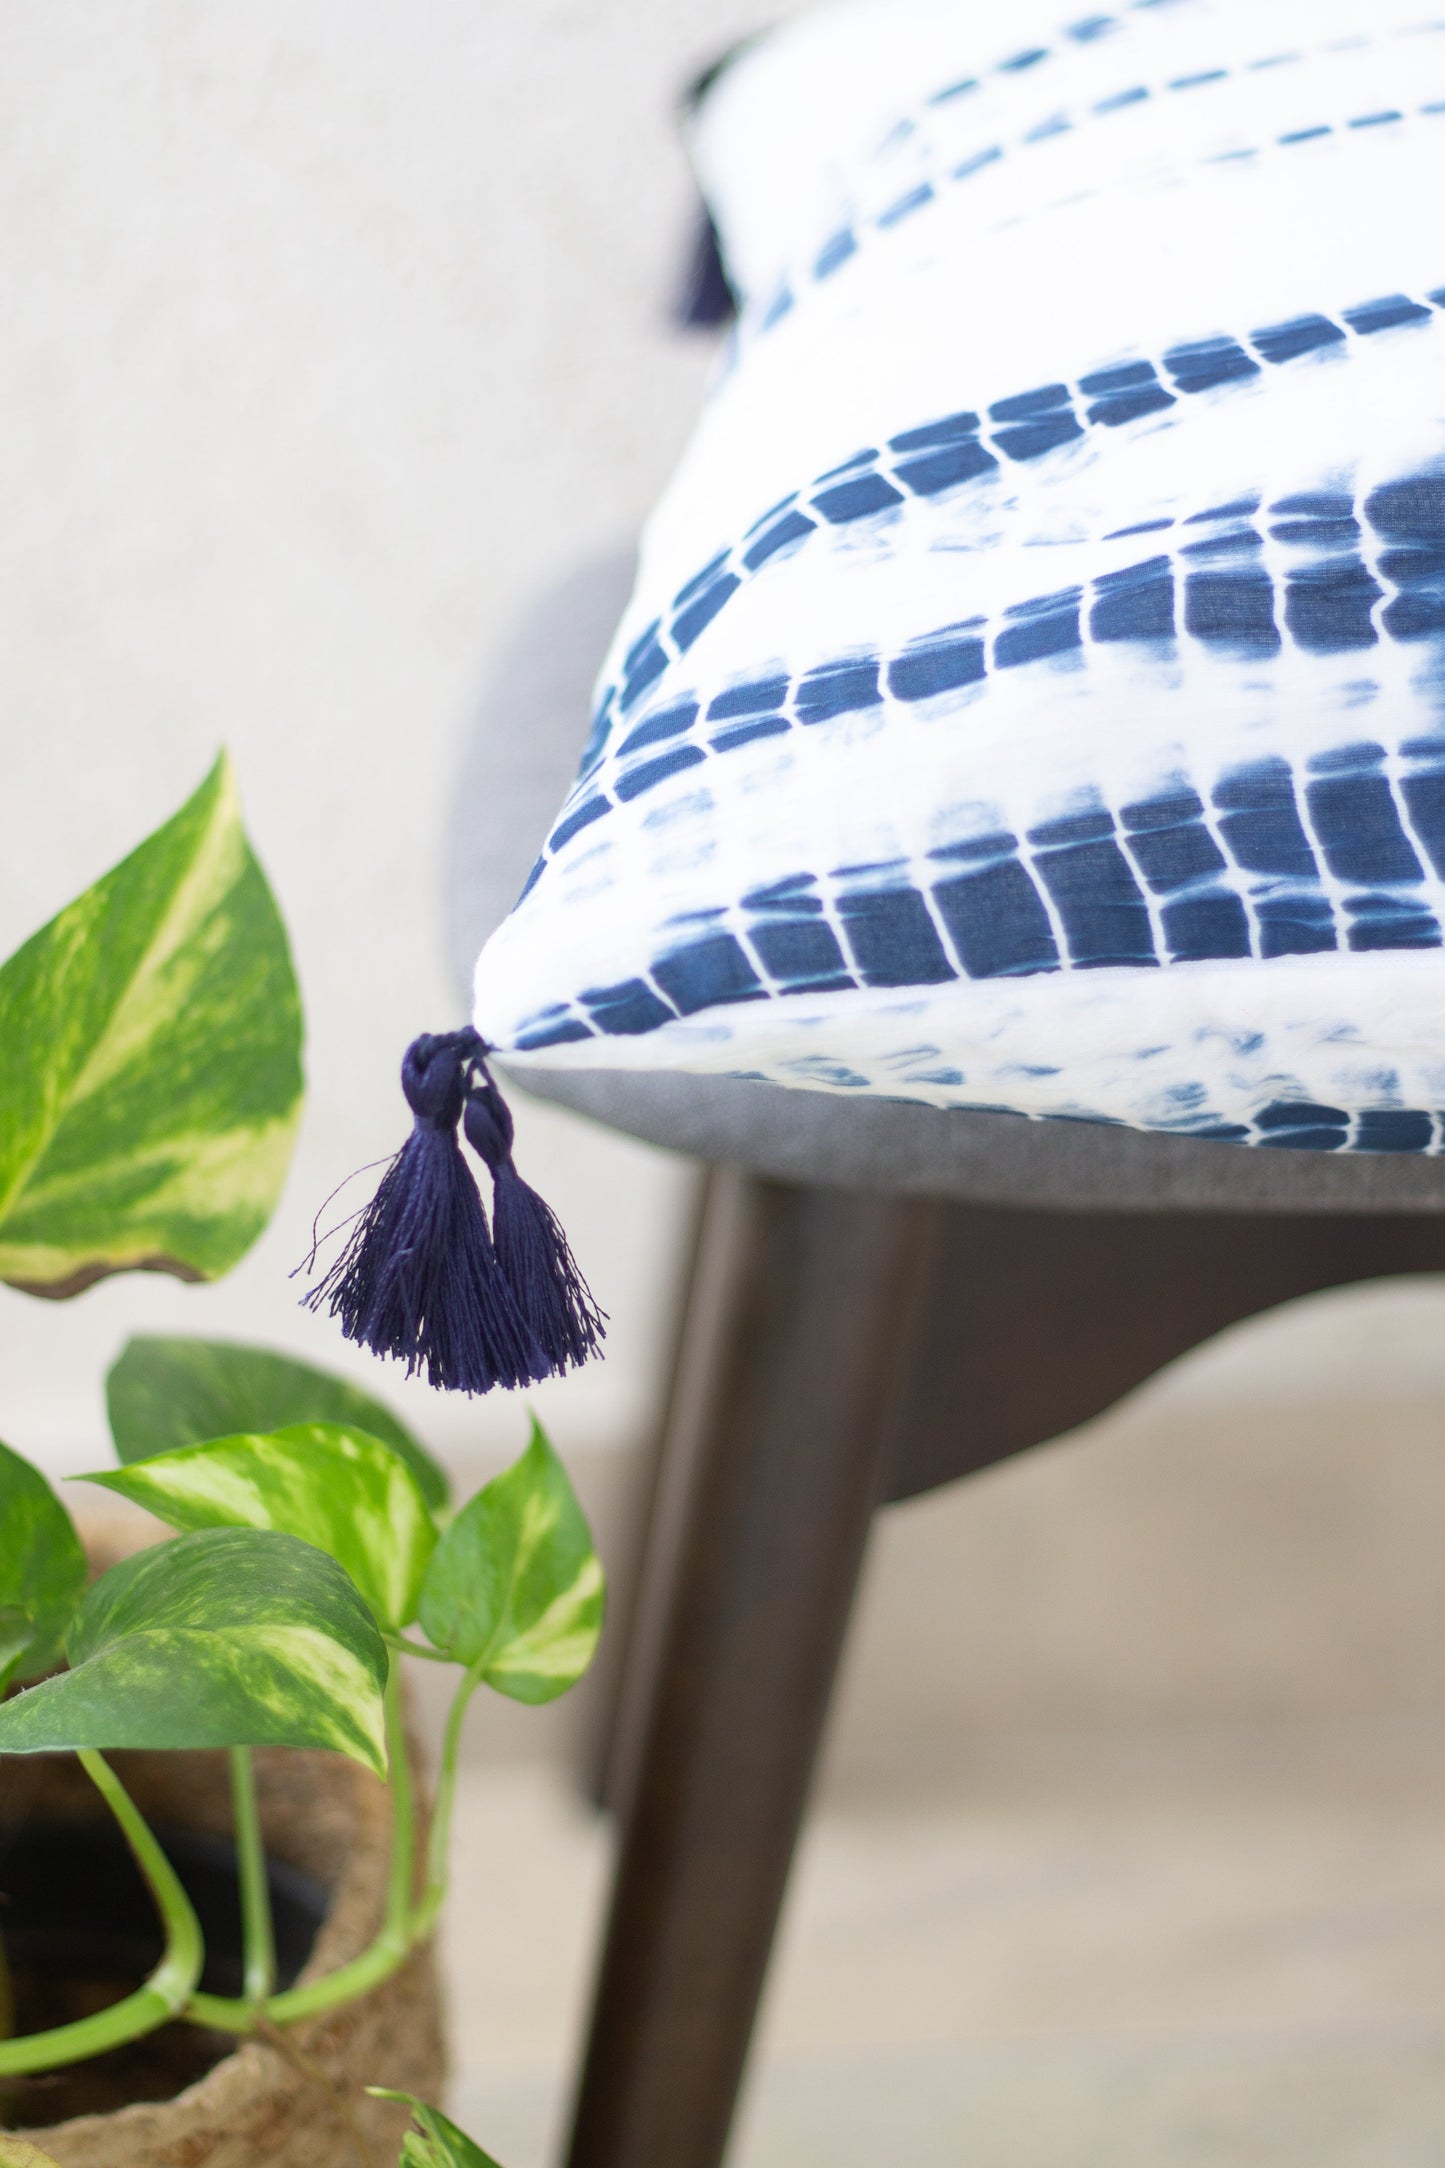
(299, 2103)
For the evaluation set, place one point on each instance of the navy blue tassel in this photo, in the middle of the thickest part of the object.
(420, 1278)
(532, 1250)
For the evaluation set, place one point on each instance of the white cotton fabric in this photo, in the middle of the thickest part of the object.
(1032, 694)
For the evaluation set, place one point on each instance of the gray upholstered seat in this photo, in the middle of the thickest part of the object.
(529, 729)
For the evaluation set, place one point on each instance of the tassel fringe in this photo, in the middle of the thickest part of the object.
(534, 1254)
(424, 1280)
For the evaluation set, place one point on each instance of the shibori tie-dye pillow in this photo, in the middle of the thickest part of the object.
(1034, 692)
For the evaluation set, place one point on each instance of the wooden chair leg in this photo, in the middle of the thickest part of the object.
(801, 1334)
(832, 1345)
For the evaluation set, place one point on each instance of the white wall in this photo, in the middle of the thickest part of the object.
(332, 334)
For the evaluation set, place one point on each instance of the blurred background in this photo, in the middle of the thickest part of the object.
(334, 335)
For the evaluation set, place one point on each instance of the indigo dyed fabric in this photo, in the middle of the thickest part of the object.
(1034, 692)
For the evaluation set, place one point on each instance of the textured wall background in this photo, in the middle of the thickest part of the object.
(333, 333)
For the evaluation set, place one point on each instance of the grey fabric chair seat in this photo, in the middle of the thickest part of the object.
(530, 726)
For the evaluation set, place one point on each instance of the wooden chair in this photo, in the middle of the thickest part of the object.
(883, 1298)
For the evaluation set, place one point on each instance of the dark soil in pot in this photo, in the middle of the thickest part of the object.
(80, 1932)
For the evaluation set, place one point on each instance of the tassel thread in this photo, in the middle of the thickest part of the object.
(534, 1255)
(423, 1278)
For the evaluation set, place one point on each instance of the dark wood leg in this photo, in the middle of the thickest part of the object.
(838, 1351)
(800, 1337)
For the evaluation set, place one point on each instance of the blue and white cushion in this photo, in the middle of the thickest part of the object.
(1034, 692)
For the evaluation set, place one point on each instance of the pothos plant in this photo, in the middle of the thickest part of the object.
(150, 1087)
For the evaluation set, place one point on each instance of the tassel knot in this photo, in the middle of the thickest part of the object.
(425, 1280)
(433, 1076)
(489, 1125)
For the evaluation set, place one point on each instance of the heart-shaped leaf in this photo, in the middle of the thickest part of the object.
(347, 1493)
(514, 1590)
(434, 2141)
(151, 1084)
(233, 1637)
(42, 1570)
(162, 1393)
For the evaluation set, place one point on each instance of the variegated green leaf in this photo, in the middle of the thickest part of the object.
(151, 1081)
(347, 1493)
(514, 1590)
(42, 1570)
(162, 1393)
(233, 1637)
(434, 2140)
(16, 1633)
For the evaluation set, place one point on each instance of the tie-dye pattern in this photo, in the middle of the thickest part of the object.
(1034, 693)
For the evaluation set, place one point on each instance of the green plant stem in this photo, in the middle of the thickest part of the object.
(169, 1987)
(415, 1648)
(397, 1935)
(258, 1931)
(439, 1837)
